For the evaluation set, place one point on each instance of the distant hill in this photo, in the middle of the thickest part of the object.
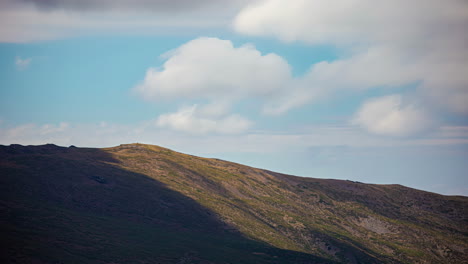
(140, 203)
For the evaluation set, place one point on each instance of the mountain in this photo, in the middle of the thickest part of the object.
(140, 203)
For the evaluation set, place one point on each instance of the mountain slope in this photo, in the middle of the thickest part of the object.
(146, 204)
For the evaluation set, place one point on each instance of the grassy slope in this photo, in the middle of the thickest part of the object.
(140, 200)
(73, 205)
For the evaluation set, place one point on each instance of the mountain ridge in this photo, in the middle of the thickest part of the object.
(300, 220)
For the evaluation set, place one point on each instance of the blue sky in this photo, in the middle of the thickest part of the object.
(376, 94)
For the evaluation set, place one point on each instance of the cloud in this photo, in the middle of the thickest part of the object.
(195, 120)
(51, 129)
(32, 21)
(22, 64)
(216, 71)
(389, 115)
(34, 134)
(142, 5)
(351, 22)
(212, 68)
(384, 44)
(295, 94)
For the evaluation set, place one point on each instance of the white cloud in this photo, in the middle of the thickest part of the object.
(216, 71)
(197, 120)
(210, 69)
(352, 21)
(375, 67)
(213, 68)
(388, 44)
(389, 115)
(22, 64)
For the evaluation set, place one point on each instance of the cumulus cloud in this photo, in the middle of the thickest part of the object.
(213, 68)
(385, 44)
(22, 64)
(216, 71)
(390, 115)
(197, 120)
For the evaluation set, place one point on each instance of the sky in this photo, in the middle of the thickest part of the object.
(360, 90)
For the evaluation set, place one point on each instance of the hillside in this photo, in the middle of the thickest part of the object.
(140, 203)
